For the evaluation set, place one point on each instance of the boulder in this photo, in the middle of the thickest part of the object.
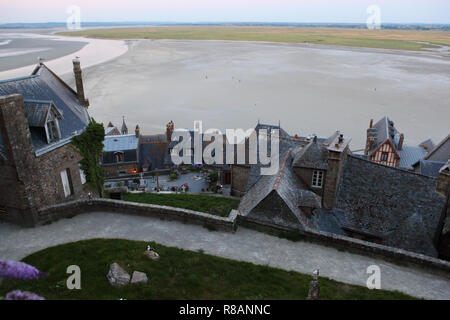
(117, 276)
(152, 255)
(139, 277)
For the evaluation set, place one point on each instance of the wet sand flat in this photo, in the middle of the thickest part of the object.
(310, 89)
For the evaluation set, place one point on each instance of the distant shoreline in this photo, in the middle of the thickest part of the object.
(408, 40)
(95, 52)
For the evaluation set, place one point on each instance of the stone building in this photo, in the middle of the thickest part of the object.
(126, 154)
(39, 116)
(322, 186)
(111, 130)
(386, 145)
(120, 155)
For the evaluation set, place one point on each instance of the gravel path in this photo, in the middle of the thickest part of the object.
(244, 245)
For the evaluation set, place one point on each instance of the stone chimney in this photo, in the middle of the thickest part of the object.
(443, 185)
(337, 155)
(400, 142)
(79, 82)
(169, 130)
(138, 131)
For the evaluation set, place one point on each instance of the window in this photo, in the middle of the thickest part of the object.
(384, 156)
(52, 131)
(66, 182)
(119, 156)
(317, 179)
(82, 176)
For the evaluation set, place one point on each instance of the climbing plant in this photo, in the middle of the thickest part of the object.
(89, 145)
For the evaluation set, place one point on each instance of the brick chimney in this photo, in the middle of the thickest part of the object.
(400, 142)
(79, 82)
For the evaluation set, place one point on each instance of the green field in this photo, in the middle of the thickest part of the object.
(179, 275)
(387, 39)
(208, 204)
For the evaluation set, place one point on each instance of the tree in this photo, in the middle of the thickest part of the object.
(89, 145)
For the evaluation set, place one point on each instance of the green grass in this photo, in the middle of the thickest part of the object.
(208, 204)
(179, 274)
(387, 39)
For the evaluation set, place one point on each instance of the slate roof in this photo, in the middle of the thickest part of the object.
(378, 199)
(153, 152)
(108, 130)
(430, 168)
(427, 145)
(410, 155)
(314, 156)
(383, 130)
(37, 112)
(441, 152)
(286, 186)
(120, 143)
(44, 85)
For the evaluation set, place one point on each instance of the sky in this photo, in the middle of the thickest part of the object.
(301, 11)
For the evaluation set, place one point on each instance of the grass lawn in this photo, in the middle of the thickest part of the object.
(179, 274)
(387, 39)
(208, 204)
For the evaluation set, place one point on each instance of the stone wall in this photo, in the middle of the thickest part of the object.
(390, 254)
(67, 210)
(230, 223)
(239, 179)
(31, 182)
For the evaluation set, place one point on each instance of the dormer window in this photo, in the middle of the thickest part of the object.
(44, 118)
(53, 131)
(118, 156)
(317, 179)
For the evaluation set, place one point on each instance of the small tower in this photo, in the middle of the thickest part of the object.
(110, 125)
(124, 129)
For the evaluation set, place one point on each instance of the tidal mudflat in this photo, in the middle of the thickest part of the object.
(310, 89)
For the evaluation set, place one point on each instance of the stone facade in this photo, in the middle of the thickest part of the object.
(116, 170)
(30, 182)
(239, 179)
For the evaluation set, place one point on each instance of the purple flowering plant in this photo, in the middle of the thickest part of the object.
(19, 270)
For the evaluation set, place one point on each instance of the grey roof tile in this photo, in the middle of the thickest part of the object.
(379, 199)
(410, 155)
(120, 143)
(44, 85)
(431, 168)
(441, 152)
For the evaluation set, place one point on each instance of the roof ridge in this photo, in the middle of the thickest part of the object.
(437, 147)
(390, 167)
(19, 78)
(281, 172)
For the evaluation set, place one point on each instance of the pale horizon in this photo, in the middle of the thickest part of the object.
(203, 11)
